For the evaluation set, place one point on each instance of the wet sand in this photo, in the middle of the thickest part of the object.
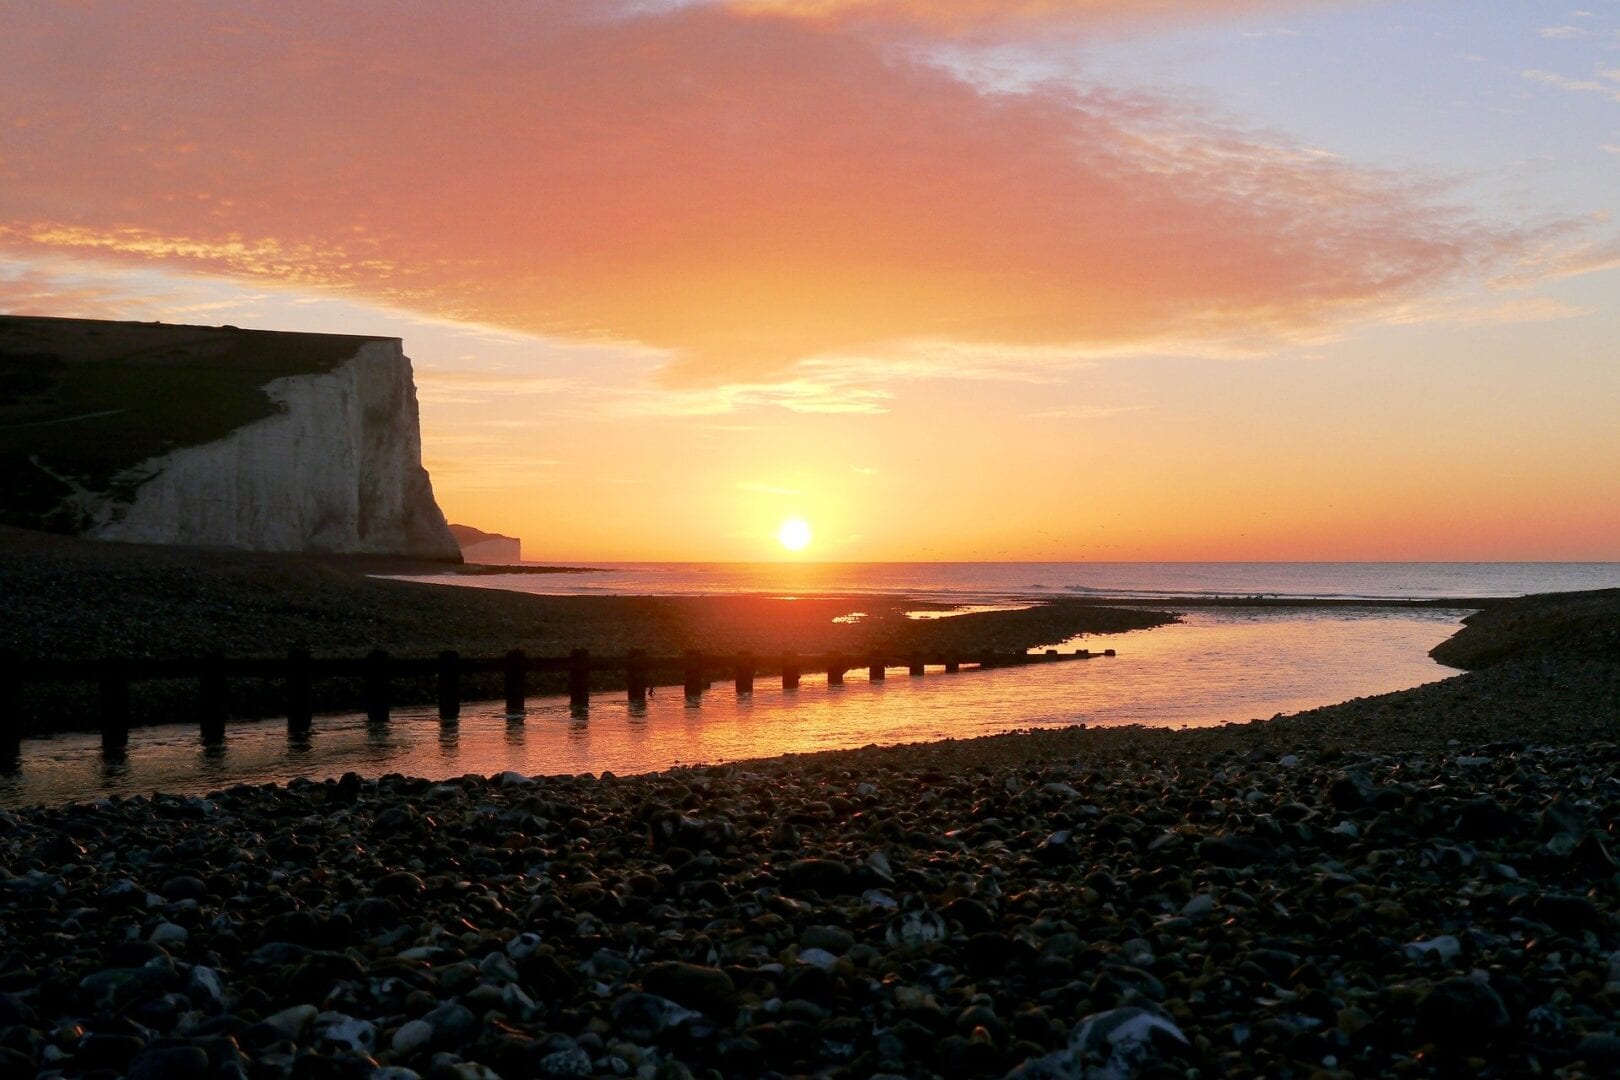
(69, 599)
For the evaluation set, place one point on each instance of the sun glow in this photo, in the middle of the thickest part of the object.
(794, 534)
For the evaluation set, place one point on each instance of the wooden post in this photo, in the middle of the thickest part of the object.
(215, 702)
(635, 678)
(1109, 652)
(692, 674)
(579, 678)
(790, 671)
(377, 689)
(744, 673)
(916, 666)
(517, 691)
(113, 702)
(301, 702)
(875, 669)
(1051, 654)
(835, 669)
(10, 711)
(449, 686)
(952, 664)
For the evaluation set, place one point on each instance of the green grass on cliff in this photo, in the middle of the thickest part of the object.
(84, 401)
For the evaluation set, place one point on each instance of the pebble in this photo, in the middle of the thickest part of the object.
(1226, 915)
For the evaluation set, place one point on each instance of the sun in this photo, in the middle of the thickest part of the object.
(794, 534)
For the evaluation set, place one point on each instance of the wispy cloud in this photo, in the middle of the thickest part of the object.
(667, 175)
(1608, 83)
(1562, 32)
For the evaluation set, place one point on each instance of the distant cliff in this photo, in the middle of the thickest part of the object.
(214, 437)
(487, 548)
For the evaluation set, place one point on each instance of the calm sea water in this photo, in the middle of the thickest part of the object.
(1218, 665)
(974, 581)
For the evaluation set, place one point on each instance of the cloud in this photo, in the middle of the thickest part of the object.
(1609, 89)
(1561, 33)
(743, 190)
(958, 15)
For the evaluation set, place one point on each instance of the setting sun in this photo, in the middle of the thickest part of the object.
(794, 534)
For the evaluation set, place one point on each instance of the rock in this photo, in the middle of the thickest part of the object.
(184, 887)
(642, 1017)
(398, 883)
(1235, 851)
(169, 936)
(824, 877)
(833, 939)
(1444, 948)
(1461, 1012)
(169, 1063)
(412, 1036)
(1486, 819)
(294, 1021)
(348, 1032)
(453, 1024)
(1351, 790)
(708, 990)
(1111, 1045)
(1600, 1051)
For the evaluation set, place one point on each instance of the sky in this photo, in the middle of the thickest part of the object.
(1031, 279)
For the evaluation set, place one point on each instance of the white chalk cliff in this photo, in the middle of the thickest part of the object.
(338, 468)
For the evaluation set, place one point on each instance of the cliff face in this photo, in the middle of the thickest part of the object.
(328, 459)
(486, 548)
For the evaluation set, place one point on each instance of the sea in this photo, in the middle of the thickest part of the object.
(1218, 665)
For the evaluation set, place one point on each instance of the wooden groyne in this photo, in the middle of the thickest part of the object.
(378, 672)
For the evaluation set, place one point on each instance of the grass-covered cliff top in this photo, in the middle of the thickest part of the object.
(83, 400)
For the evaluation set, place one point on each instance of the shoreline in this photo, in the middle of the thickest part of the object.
(1418, 884)
(1428, 891)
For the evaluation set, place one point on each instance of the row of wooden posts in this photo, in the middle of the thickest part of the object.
(378, 670)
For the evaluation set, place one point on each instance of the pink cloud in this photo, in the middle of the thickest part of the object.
(744, 190)
(960, 15)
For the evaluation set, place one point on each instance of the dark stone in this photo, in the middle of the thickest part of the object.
(705, 989)
(1600, 1052)
(14, 1010)
(184, 887)
(1459, 1013)
(973, 915)
(398, 883)
(15, 1065)
(170, 1063)
(1235, 851)
(642, 1017)
(1486, 819)
(825, 877)
(1569, 913)
(298, 927)
(1125, 983)
(986, 953)
(1351, 790)
(99, 1051)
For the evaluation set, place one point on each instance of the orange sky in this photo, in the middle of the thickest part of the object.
(673, 272)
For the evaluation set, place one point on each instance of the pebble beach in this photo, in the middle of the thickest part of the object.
(1420, 884)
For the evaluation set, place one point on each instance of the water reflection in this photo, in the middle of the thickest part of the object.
(1218, 666)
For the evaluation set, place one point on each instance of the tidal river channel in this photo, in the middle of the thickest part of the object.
(1218, 665)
